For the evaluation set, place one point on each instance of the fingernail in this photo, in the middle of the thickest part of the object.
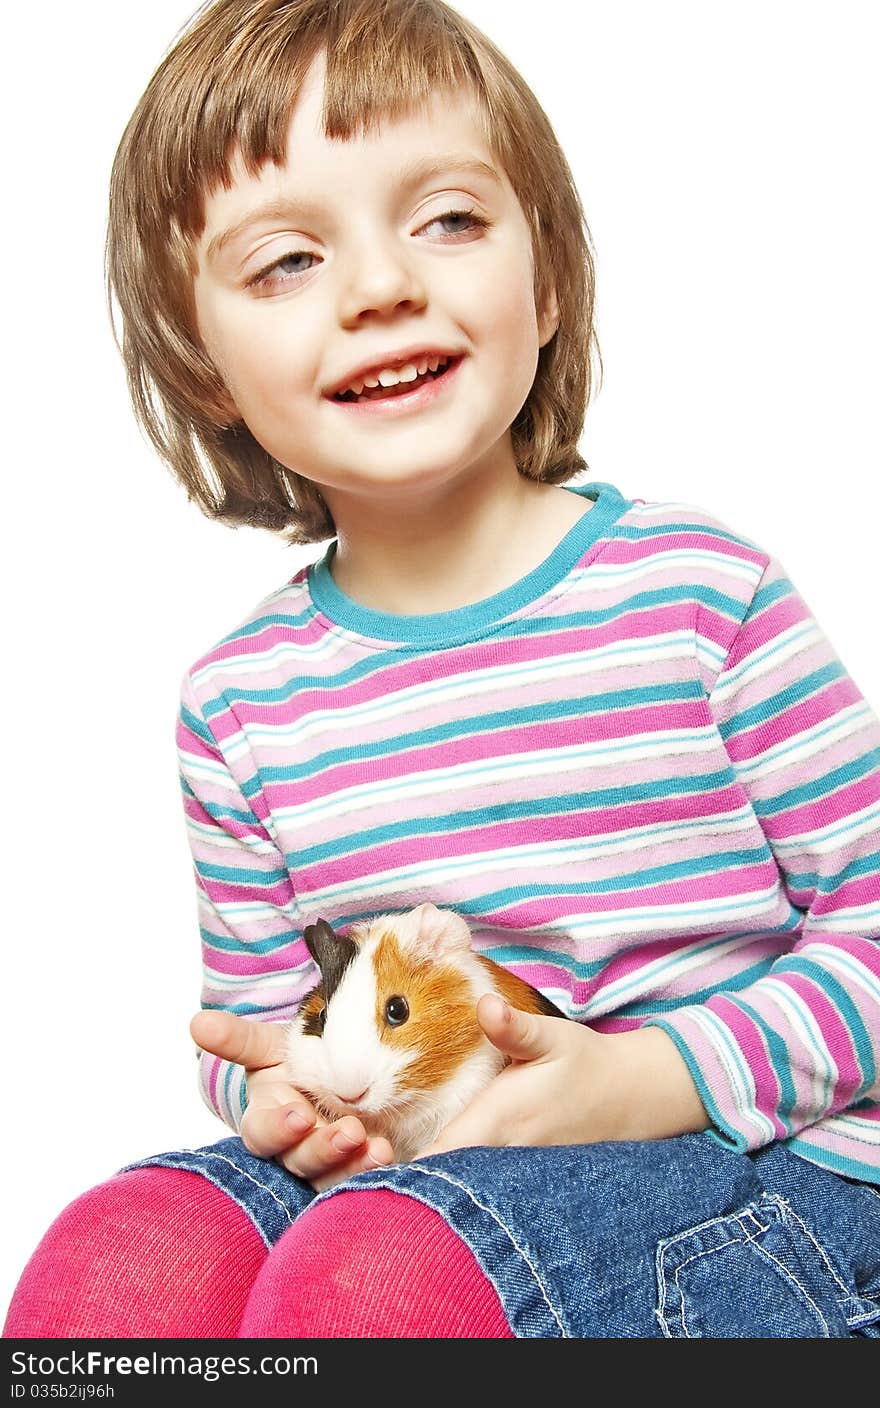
(343, 1142)
(378, 1163)
(298, 1122)
(502, 1008)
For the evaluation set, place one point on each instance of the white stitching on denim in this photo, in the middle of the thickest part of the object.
(790, 1276)
(224, 1158)
(864, 1316)
(353, 1186)
(847, 1295)
(733, 1241)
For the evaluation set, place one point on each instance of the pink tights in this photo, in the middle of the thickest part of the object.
(159, 1253)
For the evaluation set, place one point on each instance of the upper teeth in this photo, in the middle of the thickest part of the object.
(389, 376)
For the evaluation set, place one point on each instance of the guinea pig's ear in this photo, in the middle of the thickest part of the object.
(331, 951)
(432, 932)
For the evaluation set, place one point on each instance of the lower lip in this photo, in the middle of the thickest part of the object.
(405, 401)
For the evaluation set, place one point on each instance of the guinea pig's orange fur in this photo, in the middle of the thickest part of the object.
(512, 988)
(441, 1004)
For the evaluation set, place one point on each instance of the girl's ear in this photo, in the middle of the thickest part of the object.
(548, 317)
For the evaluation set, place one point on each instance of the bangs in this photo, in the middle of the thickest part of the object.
(383, 58)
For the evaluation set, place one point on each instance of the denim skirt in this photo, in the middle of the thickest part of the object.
(679, 1238)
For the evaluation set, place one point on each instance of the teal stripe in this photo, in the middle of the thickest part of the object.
(243, 875)
(286, 620)
(365, 669)
(244, 1009)
(499, 813)
(843, 1164)
(819, 884)
(222, 943)
(778, 1056)
(225, 813)
(733, 982)
(780, 704)
(645, 532)
(840, 999)
(475, 726)
(767, 595)
(197, 726)
(818, 788)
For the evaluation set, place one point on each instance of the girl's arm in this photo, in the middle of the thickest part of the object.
(254, 960)
(256, 966)
(802, 1041)
(799, 1043)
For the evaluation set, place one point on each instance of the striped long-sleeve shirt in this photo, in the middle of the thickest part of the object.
(641, 773)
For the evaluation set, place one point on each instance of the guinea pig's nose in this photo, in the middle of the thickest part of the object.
(353, 1099)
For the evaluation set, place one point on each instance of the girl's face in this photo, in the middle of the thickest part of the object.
(347, 255)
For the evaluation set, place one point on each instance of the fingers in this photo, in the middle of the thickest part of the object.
(524, 1036)
(271, 1129)
(293, 1132)
(335, 1151)
(251, 1044)
(376, 1154)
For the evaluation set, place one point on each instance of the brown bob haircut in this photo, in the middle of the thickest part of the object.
(229, 82)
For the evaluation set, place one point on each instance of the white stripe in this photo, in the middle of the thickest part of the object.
(802, 1022)
(662, 973)
(832, 836)
(499, 771)
(467, 685)
(767, 659)
(849, 969)
(810, 743)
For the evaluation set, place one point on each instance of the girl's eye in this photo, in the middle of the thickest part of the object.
(283, 265)
(396, 1011)
(474, 219)
(262, 277)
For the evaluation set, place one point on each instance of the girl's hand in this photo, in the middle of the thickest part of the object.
(279, 1121)
(568, 1084)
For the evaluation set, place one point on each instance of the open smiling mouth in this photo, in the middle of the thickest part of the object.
(403, 396)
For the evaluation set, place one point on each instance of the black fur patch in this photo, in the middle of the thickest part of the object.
(332, 952)
(549, 1008)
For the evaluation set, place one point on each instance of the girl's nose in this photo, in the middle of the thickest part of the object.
(380, 280)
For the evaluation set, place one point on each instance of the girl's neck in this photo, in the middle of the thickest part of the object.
(458, 548)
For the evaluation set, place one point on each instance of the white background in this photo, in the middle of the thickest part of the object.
(726, 156)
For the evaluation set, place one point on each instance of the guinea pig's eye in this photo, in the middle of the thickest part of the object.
(322, 1018)
(396, 1011)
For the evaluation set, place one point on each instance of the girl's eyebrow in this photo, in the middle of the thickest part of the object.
(410, 176)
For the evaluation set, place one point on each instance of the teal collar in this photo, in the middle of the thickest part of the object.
(446, 627)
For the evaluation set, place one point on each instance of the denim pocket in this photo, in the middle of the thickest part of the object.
(756, 1273)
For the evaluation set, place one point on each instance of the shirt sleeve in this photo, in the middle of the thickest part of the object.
(254, 960)
(803, 1041)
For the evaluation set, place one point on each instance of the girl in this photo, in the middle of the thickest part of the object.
(608, 731)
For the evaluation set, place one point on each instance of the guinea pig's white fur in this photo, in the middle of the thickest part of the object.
(350, 1069)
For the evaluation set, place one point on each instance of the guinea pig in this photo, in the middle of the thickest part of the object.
(390, 1034)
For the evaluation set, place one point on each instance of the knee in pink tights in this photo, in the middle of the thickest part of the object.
(153, 1253)
(372, 1264)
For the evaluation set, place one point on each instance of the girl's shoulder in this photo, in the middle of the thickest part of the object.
(281, 615)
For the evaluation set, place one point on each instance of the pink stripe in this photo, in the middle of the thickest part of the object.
(750, 1040)
(523, 740)
(446, 666)
(824, 705)
(835, 1035)
(867, 951)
